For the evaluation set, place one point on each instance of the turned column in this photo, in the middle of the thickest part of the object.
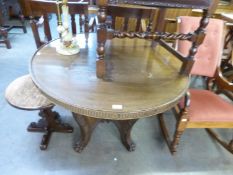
(101, 38)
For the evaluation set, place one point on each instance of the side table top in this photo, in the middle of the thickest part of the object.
(140, 81)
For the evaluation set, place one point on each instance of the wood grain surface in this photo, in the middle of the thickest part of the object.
(22, 93)
(141, 81)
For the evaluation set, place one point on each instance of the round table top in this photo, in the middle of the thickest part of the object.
(140, 81)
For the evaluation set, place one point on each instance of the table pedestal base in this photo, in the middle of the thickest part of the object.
(88, 124)
(49, 123)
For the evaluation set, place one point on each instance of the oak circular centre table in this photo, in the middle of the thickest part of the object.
(140, 81)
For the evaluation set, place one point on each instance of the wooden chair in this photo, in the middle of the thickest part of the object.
(44, 8)
(227, 61)
(203, 108)
(23, 94)
(129, 18)
(158, 36)
(6, 24)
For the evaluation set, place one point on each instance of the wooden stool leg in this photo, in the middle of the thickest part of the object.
(87, 125)
(125, 128)
(49, 123)
(5, 40)
(45, 140)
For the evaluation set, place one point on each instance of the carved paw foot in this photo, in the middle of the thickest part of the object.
(79, 147)
(43, 147)
(130, 146)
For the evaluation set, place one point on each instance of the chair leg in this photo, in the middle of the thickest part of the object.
(227, 146)
(86, 28)
(181, 125)
(179, 131)
(80, 23)
(165, 131)
(5, 40)
(22, 20)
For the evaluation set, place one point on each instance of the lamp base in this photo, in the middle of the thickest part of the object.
(63, 50)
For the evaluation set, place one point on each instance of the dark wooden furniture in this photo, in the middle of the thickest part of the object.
(140, 82)
(196, 37)
(130, 18)
(50, 7)
(203, 108)
(227, 61)
(4, 35)
(6, 8)
(23, 94)
(3, 31)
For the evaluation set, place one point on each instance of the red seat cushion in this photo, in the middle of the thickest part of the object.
(206, 106)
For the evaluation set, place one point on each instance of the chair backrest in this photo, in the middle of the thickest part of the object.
(130, 18)
(209, 54)
(196, 38)
(44, 8)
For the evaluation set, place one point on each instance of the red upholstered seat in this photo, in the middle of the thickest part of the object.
(206, 109)
(206, 106)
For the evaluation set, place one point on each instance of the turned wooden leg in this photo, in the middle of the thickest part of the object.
(80, 23)
(21, 17)
(125, 128)
(50, 122)
(5, 40)
(181, 125)
(102, 36)
(87, 125)
(176, 140)
(100, 68)
(86, 27)
(100, 65)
